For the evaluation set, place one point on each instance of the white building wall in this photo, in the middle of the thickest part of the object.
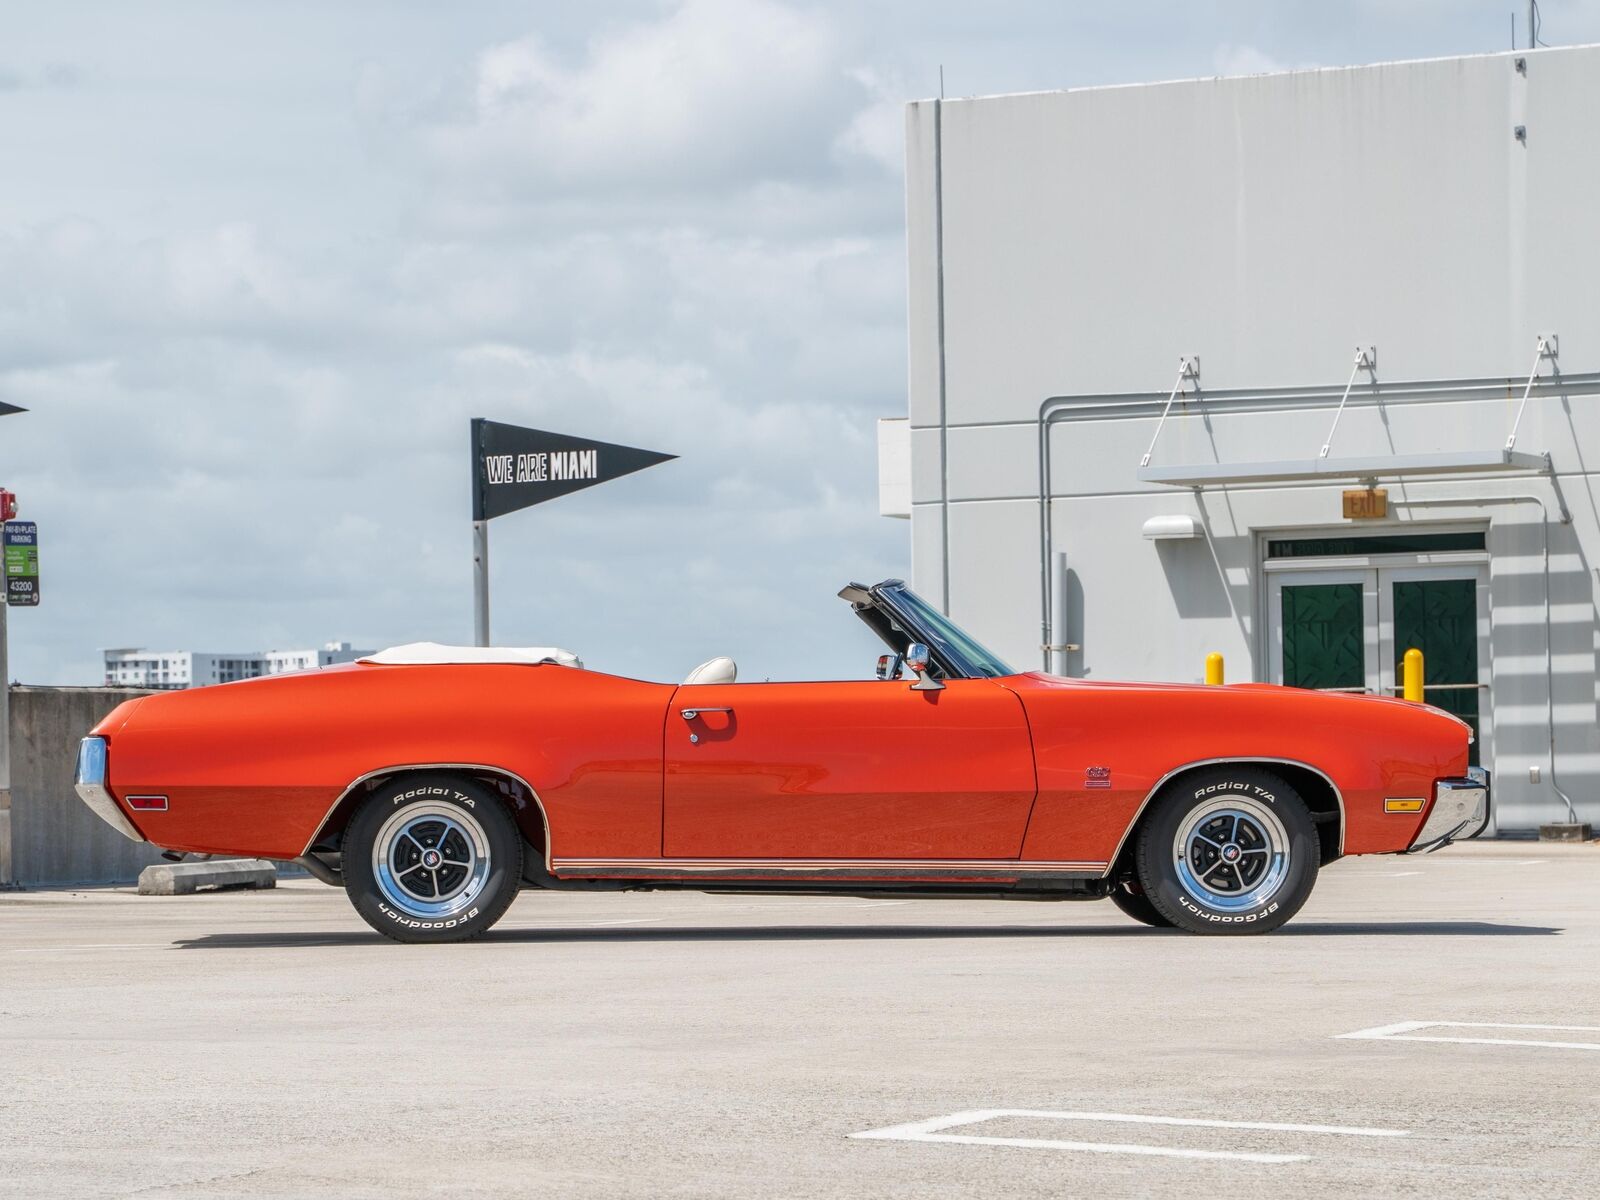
(1085, 240)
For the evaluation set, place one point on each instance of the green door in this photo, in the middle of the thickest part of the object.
(1440, 618)
(1323, 636)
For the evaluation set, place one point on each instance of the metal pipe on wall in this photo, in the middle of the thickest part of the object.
(1049, 412)
(1057, 653)
(944, 413)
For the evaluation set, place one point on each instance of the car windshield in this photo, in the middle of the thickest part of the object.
(964, 652)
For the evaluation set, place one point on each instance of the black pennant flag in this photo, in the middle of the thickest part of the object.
(514, 467)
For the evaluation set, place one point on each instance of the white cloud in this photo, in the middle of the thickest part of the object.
(1242, 59)
(878, 131)
(715, 91)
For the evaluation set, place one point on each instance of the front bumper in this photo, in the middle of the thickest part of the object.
(1460, 810)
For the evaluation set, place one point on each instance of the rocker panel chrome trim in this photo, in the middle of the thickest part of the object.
(1338, 796)
(830, 868)
(544, 818)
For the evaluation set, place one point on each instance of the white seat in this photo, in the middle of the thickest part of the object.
(717, 670)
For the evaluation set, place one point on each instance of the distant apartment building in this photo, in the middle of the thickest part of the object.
(141, 668)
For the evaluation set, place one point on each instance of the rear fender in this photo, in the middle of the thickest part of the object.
(517, 793)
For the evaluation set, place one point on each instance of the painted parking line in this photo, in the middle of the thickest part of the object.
(1406, 1031)
(1488, 862)
(934, 1130)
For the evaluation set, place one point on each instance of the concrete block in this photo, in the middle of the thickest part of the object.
(1566, 831)
(180, 879)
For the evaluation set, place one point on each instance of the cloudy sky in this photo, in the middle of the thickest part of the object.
(260, 262)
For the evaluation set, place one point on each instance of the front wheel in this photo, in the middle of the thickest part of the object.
(1228, 850)
(432, 859)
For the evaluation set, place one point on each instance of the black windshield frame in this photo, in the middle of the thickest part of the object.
(958, 654)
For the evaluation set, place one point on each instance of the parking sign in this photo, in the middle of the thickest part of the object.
(22, 562)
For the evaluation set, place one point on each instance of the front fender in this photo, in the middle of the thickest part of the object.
(1103, 752)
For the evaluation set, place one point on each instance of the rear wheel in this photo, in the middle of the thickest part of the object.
(432, 859)
(1228, 850)
(1130, 898)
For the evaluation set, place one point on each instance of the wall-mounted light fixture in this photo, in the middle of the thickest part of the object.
(1159, 529)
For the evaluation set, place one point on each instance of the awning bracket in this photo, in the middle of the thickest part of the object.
(1547, 346)
(1366, 360)
(1188, 368)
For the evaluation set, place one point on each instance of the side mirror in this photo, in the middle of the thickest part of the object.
(917, 659)
(889, 666)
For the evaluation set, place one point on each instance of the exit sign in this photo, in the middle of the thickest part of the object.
(1366, 504)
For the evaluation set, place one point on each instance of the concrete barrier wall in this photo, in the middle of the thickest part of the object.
(51, 836)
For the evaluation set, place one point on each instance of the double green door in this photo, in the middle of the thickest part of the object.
(1349, 630)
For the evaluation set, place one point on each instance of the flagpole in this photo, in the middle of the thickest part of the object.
(480, 582)
(480, 539)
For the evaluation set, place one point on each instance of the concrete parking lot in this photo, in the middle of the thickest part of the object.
(269, 1044)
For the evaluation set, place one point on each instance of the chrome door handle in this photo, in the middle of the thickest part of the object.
(689, 714)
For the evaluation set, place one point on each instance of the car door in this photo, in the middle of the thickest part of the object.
(853, 770)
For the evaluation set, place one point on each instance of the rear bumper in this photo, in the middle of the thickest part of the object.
(1460, 810)
(90, 784)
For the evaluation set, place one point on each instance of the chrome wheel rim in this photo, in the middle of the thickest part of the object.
(1232, 853)
(430, 860)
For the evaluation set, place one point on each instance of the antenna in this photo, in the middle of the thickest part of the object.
(941, 81)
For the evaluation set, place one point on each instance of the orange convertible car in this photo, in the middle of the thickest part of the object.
(433, 783)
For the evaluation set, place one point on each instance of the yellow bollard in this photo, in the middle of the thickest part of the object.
(1214, 668)
(1413, 675)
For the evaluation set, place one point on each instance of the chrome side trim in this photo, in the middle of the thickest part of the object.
(436, 766)
(1338, 796)
(833, 868)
